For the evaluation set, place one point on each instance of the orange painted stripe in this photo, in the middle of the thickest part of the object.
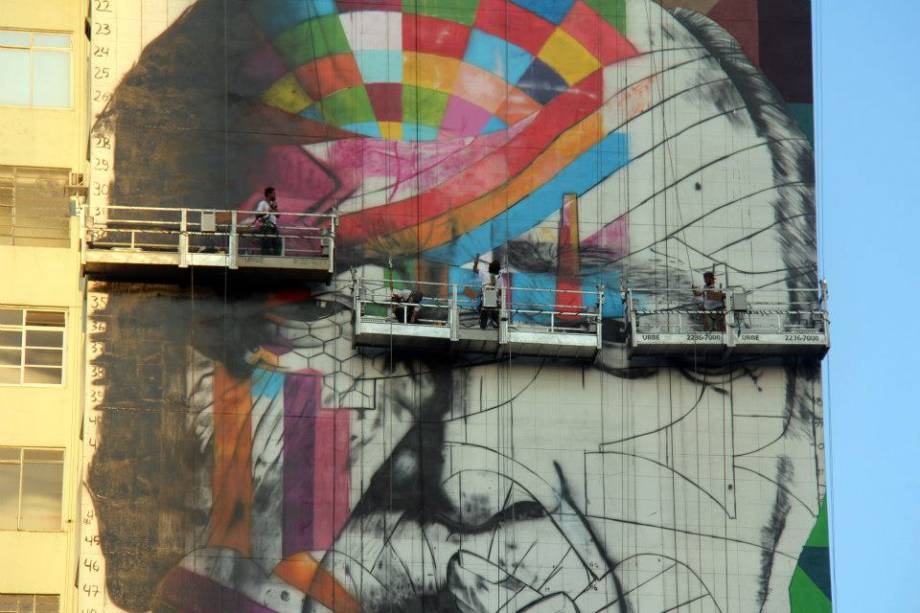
(327, 75)
(231, 481)
(445, 227)
(302, 571)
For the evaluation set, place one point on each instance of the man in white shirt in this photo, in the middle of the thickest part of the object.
(267, 223)
(711, 298)
(490, 294)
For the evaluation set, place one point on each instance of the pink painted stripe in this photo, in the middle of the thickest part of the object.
(302, 394)
(463, 118)
(613, 237)
(330, 477)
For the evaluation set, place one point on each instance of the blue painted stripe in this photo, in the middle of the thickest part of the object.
(380, 66)
(367, 128)
(551, 10)
(418, 132)
(589, 169)
(495, 125)
(497, 56)
(266, 383)
(312, 112)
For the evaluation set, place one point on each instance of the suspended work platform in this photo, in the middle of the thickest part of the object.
(138, 242)
(447, 317)
(762, 322)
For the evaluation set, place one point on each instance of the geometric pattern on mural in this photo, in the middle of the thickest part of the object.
(430, 70)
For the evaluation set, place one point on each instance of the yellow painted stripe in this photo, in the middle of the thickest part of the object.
(287, 95)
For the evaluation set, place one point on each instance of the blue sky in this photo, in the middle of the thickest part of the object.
(868, 130)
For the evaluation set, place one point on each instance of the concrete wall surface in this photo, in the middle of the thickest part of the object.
(246, 456)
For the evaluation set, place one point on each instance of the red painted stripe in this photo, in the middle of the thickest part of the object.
(596, 34)
(569, 266)
(512, 23)
(426, 34)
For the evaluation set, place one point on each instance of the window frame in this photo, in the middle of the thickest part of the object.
(22, 462)
(23, 328)
(18, 187)
(29, 49)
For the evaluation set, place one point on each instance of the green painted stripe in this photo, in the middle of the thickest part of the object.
(614, 11)
(423, 106)
(804, 116)
(347, 106)
(462, 12)
(819, 534)
(805, 596)
(312, 39)
(816, 563)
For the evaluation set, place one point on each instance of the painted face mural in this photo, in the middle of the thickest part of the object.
(250, 459)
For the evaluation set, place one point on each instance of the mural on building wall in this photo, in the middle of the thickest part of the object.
(248, 458)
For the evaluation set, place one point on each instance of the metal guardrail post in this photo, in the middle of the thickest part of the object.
(332, 228)
(233, 243)
(453, 314)
(729, 334)
(600, 317)
(630, 319)
(356, 286)
(503, 321)
(824, 328)
(183, 239)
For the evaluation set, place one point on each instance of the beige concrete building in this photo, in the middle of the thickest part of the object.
(43, 159)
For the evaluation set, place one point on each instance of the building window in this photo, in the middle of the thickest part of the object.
(30, 603)
(31, 488)
(31, 346)
(35, 69)
(34, 206)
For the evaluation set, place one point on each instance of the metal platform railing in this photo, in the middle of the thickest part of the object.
(449, 317)
(740, 321)
(114, 236)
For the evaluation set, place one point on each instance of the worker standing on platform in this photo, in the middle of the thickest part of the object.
(490, 294)
(267, 220)
(712, 301)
